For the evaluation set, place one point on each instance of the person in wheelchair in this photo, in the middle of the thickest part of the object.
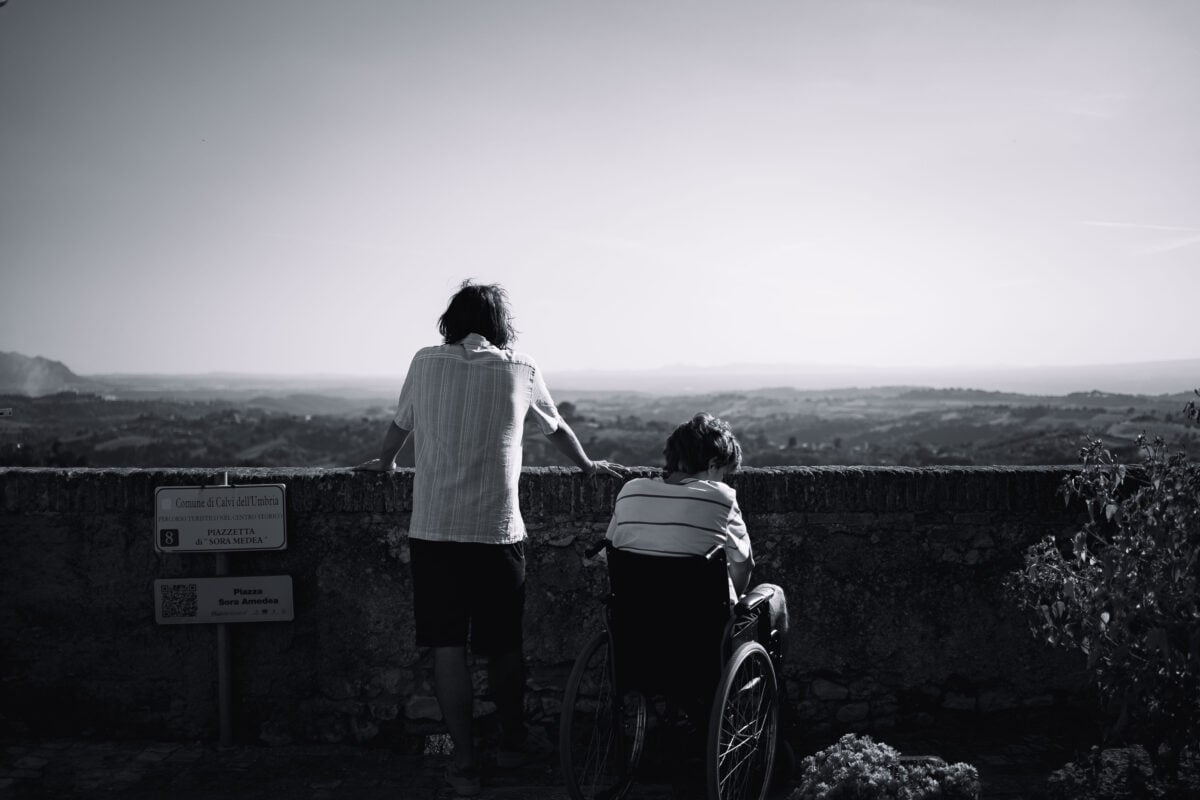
(691, 510)
(683, 640)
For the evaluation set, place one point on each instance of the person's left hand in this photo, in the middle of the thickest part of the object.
(607, 468)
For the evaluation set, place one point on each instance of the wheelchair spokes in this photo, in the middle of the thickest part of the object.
(601, 735)
(743, 727)
(677, 639)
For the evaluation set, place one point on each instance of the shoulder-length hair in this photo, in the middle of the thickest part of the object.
(699, 442)
(478, 308)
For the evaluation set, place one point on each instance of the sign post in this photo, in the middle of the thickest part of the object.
(219, 519)
(224, 660)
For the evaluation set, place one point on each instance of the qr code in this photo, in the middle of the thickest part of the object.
(178, 600)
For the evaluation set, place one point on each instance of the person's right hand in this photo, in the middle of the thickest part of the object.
(607, 468)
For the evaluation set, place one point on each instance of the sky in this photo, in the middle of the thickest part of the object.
(297, 188)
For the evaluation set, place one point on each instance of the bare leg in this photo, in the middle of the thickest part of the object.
(456, 696)
(506, 677)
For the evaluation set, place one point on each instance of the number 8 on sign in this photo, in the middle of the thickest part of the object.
(168, 537)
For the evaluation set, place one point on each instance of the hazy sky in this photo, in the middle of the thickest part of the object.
(297, 187)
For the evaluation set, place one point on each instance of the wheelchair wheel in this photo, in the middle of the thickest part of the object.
(743, 726)
(600, 736)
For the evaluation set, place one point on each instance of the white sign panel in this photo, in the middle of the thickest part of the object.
(187, 601)
(190, 519)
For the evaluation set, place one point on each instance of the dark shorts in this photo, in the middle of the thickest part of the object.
(468, 591)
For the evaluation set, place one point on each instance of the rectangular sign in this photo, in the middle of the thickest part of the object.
(191, 519)
(5, 412)
(188, 601)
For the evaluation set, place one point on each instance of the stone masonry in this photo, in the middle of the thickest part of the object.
(894, 578)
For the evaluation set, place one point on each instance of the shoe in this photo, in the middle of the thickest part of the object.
(463, 780)
(534, 749)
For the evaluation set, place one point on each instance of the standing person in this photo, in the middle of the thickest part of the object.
(465, 403)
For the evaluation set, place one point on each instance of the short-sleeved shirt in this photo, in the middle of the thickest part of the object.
(466, 404)
(688, 518)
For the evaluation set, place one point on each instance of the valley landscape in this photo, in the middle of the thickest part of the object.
(238, 421)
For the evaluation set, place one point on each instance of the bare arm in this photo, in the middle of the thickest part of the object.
(739, 573)
(393, 440)
(568, 444)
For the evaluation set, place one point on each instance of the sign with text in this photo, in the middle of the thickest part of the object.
(188, 601)
(191, 519)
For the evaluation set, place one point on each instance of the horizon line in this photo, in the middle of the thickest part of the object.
(776, 367)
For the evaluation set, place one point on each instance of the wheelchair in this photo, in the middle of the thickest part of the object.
(673, 641)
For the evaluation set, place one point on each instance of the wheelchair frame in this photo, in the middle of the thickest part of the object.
(602, 731)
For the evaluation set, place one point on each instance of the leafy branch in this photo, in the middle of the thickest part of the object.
(1123, 590)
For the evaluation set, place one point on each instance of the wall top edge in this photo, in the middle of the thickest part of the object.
(562, 493)
(745, 472)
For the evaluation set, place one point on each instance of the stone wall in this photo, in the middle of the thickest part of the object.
(894, 578)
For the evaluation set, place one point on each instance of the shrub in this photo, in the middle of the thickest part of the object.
(1121, 773)
(1112, 774)
(857, 768)
(1123, 591)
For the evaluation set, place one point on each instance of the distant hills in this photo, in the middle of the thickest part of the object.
(37, 377)
(1143, 378)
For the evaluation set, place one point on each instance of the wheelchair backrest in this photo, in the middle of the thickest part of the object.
(667, 618)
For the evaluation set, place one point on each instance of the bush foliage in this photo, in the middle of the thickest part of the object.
(1120, 773)
(857, 768)
(1123, 591)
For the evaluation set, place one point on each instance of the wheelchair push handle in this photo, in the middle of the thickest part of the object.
(594, 549)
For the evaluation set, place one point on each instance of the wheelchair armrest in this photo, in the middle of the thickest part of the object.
(752, 600)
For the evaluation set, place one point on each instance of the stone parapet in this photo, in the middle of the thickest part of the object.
(894, 578)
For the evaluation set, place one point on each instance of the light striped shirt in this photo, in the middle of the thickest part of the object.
(466, 405)
(688, 518)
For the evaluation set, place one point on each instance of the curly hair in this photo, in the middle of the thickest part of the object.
(699, 442)
(478, 308)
